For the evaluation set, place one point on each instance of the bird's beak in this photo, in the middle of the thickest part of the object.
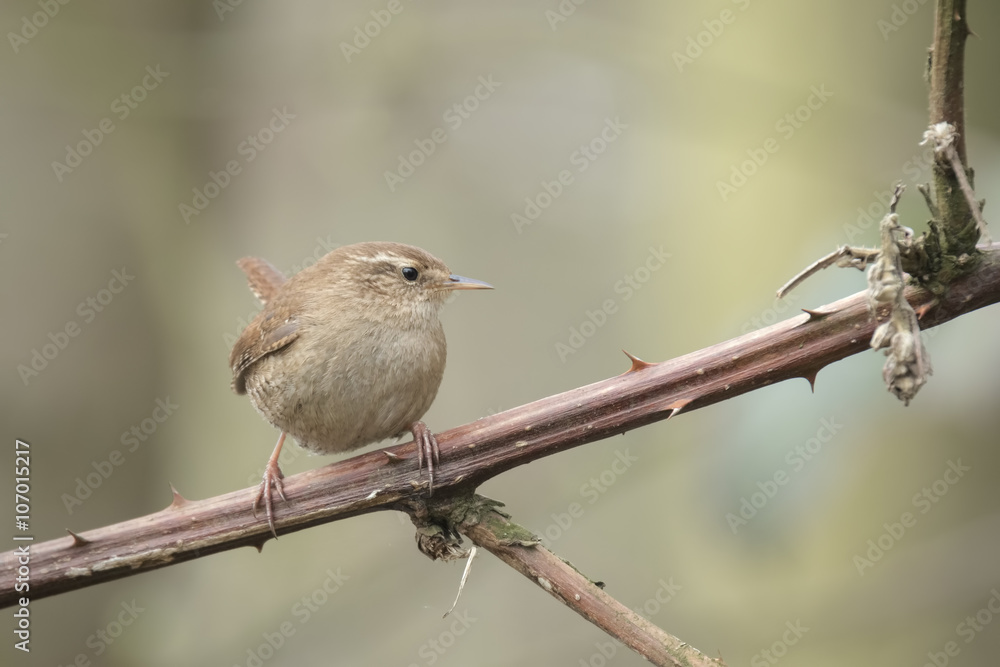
(461, 282)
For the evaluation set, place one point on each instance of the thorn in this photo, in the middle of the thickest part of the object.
(77, 540)
(259, 546)
(926, 308)
(393, 458)
(678, 405)
(637, 363)
(178, 500)
(811, 377)
(815, 315)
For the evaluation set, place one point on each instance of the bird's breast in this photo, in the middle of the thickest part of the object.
(344, 392)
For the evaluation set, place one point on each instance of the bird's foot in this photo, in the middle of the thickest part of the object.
(271, 482)
(427, 448)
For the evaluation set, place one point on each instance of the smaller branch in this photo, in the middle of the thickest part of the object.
(843, 257)
(925, 190)
(943, 136)
(970, 196)
(566, 584)
(947, 99)
(958, 234)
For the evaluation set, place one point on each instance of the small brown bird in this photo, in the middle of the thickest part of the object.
(347, 352)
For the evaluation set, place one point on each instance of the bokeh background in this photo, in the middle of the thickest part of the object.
(682, 92)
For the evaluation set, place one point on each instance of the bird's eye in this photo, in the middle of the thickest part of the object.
(410, 273)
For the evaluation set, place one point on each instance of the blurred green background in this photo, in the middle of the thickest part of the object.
(682, 92)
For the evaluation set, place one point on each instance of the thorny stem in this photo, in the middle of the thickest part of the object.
(476, 452)
(958, 230)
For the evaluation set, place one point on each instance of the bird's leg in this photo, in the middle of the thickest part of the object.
(427, 448)
(272, 479)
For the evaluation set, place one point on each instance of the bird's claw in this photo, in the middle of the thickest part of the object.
(271, 482)
(427, 448)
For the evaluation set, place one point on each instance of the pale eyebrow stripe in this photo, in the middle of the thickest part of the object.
(381, 258)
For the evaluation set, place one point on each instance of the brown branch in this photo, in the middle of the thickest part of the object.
(970, 195)
(843, 257)
(947, 96)
(475, 452)
(959, 232)
(440, 524)
(566, 584)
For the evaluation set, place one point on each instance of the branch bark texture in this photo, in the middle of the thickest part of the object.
(959, 232)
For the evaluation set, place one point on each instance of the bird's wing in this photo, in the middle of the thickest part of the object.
(264, 279)
(272, 330)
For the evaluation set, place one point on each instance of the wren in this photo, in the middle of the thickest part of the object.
(347, 352)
